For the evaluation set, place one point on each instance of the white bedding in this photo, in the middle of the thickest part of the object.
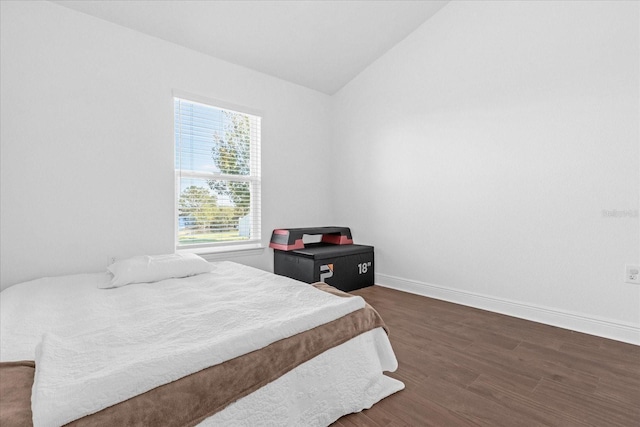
(345, 379)
(83, 330)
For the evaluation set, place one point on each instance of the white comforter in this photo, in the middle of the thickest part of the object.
(125, 341)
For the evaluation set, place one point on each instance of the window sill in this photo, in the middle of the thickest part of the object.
(222, 252)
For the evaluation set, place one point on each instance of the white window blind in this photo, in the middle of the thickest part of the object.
(217, 176)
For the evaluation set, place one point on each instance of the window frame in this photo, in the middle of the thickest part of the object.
(254, 178)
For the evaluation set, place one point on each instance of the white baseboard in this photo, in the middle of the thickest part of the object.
(625, 332)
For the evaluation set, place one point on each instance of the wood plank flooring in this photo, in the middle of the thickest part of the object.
(468, 367)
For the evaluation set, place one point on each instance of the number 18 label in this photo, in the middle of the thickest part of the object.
(364, 267)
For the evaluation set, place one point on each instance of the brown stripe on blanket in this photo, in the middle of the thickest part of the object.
(16, 379)
(190, 400)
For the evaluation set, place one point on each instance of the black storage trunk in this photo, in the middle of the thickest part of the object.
(346, 267)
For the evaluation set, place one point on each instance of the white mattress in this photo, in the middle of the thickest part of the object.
(345, 379)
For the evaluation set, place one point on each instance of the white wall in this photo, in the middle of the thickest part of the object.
(479, 154)
(87, 141)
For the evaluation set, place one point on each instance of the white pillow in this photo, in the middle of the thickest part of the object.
(144, 269)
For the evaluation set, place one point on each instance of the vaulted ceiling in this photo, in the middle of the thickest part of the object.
(318, 44)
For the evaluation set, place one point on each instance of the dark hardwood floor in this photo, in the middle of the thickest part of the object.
(468, 367)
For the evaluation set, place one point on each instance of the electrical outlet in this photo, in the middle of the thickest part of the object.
(632, 274)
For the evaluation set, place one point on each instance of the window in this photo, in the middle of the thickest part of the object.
(217, 176)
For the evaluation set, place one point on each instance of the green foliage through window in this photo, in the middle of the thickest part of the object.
(217, 173)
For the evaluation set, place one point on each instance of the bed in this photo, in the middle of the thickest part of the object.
(232, 346)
